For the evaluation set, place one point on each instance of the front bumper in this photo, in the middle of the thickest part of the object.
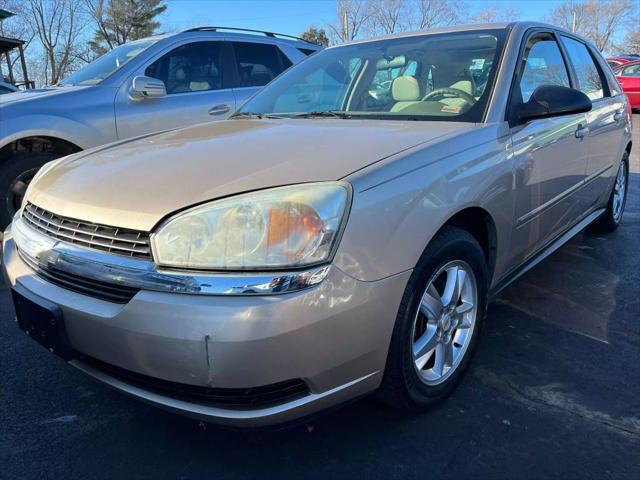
(334, 336)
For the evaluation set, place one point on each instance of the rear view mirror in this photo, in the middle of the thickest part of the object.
(395, 62)
(552, 101)
(147, 87)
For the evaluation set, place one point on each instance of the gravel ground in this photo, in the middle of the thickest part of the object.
(552, 393)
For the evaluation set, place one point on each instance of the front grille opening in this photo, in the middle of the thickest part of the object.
(250, 398)
(119, 241)
(109, 292)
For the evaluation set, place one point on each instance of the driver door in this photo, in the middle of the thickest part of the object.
(198, 90)
(550, 157)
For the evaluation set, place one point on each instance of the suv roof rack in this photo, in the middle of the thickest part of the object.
(268, 34)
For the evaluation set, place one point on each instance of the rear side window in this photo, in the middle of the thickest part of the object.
(190, 68)
(630, 71)
(589, 79)
(258, 63)
(307, 51)
(542, 65)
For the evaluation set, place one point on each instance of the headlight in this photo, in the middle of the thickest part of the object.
(277, 228)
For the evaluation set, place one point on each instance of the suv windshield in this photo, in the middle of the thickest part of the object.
(104, 66)
(447, 76)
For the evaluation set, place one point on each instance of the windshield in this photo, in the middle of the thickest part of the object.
(428, 77)
(108, 63)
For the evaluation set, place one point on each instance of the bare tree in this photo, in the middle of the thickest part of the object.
(631, 42)
(494, 13)
(597, 20)
(58, 25)
(435, 13)
(388, 16)
(353, 17)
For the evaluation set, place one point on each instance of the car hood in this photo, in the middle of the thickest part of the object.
(138, 183)
(31, 95)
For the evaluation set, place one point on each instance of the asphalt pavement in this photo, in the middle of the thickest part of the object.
(553, 392)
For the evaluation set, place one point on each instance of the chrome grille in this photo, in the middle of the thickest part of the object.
(120, 241)
(109, 292)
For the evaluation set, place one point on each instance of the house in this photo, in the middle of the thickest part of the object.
(9, 47)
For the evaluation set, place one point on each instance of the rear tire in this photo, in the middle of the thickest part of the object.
(612, 217)
(15, 175)
(414, 376)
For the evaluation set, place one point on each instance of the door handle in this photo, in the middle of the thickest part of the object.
(582, 132)
(617, 116)
(219, 109)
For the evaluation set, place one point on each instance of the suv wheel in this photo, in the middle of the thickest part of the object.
(612, 217)
(438, 322)
(15, 175)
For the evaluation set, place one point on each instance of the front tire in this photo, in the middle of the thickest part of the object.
(15, 175)
(612, 217)
(438, 322)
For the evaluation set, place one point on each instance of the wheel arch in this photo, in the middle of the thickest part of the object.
(38, 144)
(480, 224)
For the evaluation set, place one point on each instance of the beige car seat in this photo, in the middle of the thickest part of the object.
(405, 91)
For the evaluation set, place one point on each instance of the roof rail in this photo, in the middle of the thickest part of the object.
(268, 34)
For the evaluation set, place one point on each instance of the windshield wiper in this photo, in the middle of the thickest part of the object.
(254, 115)
(324, 114)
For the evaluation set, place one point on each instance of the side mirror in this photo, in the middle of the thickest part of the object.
(147, 87)
(552, 101)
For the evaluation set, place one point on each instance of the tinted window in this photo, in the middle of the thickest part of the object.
(4, 90)
(193, 67)
(631, 71)
(258, 63)
(542, 65)
(589, 80)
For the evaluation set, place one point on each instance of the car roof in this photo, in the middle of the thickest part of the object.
(249, 34)
(462, 28)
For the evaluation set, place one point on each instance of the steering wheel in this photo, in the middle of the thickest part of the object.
(450, 91)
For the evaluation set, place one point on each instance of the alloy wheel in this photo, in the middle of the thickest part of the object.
(444, 324)
(619, 192)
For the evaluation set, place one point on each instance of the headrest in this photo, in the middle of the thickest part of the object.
(405, 89)
(181, 74)
(199, 86)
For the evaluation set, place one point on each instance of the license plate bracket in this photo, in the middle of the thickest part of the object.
(43, 321)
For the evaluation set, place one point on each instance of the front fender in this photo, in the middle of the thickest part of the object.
(399, 206)
(80, 134)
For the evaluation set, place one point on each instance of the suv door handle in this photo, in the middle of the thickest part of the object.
(219, 109)
(582, 132)
(617, 116)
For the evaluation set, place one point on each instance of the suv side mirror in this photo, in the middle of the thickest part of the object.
(552, 101)
(147, 87)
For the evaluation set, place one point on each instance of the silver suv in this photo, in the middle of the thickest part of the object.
(145, 86)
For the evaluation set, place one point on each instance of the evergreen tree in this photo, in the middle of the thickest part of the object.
(122, 21)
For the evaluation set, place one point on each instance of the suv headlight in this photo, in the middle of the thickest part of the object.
(284, 227)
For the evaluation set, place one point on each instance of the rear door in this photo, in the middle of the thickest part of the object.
(549, 154)
(629, 79)
(196, 76)
(605, 121)
(255, 65)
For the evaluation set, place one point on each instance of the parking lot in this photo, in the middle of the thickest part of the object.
(552, 393)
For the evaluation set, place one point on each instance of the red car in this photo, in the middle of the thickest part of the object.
(615, 62)
(628, 76)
